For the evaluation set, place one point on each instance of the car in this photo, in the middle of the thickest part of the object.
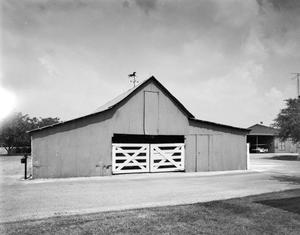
(260, 150)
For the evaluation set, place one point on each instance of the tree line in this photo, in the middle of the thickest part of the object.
(13, 131)
(15, 139)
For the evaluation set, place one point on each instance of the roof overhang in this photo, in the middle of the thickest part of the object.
(244, 130)
(261, 134)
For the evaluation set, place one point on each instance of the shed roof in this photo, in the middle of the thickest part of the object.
(259, 129)
(221, 125)
(121, 99)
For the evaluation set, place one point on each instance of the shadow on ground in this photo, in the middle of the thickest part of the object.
(285, 158)
(287, 178)
(288, 204)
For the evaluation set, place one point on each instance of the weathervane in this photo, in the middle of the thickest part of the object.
(133, 80)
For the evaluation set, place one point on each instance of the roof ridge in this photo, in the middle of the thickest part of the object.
(119, 97)
(262, 125)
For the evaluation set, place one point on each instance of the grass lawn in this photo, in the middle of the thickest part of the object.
(274, 213)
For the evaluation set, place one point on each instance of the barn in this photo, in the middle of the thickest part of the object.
(145, 129)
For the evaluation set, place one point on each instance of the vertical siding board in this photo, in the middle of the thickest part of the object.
(151, 113)
(190, 153)
(203, 152)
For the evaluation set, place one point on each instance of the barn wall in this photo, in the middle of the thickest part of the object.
(72, 149)
(225, 149)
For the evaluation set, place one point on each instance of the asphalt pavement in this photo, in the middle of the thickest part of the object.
(33, 199)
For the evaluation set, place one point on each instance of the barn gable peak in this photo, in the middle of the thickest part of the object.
(122, 98)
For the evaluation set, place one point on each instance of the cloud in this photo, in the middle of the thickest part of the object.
(126, 4)
(49, 66)
(48, 5)
(7, 102)
(237, 93)
(146, 5)
(280, 5)
(224, 49)
(279, 25)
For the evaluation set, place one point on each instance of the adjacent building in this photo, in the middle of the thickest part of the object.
(264, 139)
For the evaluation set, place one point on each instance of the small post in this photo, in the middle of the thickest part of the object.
(248, 156)
(24, 161)
(25, 173)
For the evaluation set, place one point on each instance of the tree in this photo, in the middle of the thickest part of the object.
(47, 121)
(288, 121)
(13, 130)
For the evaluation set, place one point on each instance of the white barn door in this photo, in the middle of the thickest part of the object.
(166, 157)
(130, 158)
(141, 158)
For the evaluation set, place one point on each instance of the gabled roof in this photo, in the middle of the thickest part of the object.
(259, 129)
(119, 100)
(126, 95)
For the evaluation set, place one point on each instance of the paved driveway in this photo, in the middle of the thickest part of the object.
(34, 199)
(279, 167)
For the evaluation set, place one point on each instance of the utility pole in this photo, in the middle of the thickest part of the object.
(297, 76)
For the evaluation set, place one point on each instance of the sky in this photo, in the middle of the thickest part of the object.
(227, 61)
